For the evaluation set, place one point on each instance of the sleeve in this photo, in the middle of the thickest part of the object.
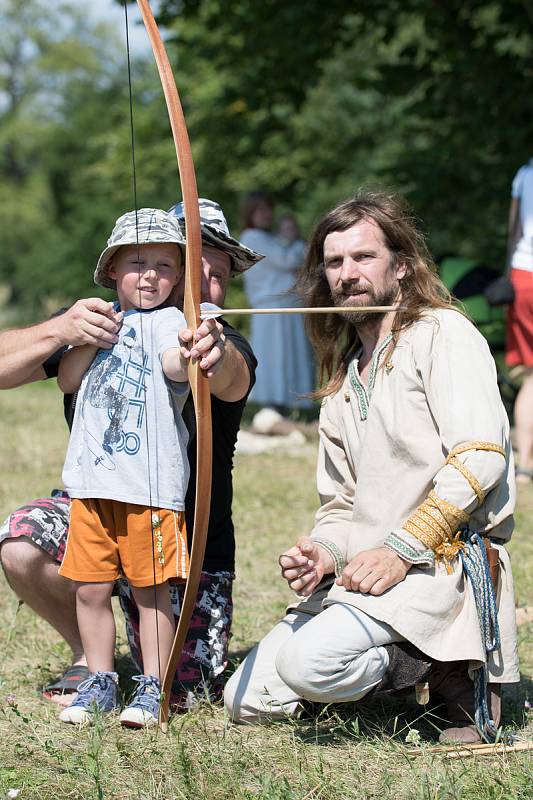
(458, 375)
(518, 183)
(336, 487)
(169, 322)
(51, 365)
(243, 347)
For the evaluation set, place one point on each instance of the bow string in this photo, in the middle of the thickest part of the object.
(198, 382)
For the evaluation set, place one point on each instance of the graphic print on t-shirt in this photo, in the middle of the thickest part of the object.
(117, 383)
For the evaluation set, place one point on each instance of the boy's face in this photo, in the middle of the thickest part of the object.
(145, 275)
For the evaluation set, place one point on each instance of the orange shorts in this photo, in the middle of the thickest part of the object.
(107, 539)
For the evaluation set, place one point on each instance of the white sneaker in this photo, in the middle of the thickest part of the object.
(143, 711)
(98, 693)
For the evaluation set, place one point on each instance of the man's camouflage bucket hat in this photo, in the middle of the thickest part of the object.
(215, 232)
(146, 226)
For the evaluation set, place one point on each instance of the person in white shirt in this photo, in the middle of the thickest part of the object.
(519, 349)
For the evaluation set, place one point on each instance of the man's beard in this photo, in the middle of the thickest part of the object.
(386, 297)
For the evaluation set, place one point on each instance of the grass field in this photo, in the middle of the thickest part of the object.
(344, 753)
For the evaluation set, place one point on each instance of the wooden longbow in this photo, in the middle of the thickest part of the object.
(198, 382)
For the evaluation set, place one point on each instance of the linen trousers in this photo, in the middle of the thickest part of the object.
(337, 656)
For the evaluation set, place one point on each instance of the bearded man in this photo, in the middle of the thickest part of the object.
(414, 467)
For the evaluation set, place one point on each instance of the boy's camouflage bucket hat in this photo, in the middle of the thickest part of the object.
(215, 232)
(147, 226)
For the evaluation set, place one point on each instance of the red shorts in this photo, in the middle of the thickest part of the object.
(519, 345)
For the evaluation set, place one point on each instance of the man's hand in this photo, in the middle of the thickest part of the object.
(304, 565)
(91, 321)
(208, 345)
(373, 571)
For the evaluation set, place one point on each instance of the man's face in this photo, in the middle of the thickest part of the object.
(359, 269)
(216, 271)
(145, 275)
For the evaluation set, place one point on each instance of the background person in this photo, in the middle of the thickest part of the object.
(520, 315)
(285, 360)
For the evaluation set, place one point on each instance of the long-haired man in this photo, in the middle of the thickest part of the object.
(414, 459)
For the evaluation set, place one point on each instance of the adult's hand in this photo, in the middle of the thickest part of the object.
(304, 565)
(90, 321)
(208, 344)
(373, 571)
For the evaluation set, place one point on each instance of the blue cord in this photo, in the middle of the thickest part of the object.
(476, 566)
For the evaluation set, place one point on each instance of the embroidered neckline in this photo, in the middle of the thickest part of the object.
(362, 392)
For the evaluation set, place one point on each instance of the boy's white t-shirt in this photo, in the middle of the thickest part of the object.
(128, 439)
(523, 190)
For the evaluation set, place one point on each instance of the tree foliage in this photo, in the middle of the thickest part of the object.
(309, 100)
(313, 100)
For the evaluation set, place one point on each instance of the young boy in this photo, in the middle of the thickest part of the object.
(126, 466)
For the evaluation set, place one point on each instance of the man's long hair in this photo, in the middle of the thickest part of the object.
(334, 339)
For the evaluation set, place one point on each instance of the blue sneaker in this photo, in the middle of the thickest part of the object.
(98, 693)
(144, 708)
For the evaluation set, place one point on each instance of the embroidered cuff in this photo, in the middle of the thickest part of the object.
(436, 523)
(401, 545)
(338, 559)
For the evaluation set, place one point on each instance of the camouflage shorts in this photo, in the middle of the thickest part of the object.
(44, 521)
(200, 672)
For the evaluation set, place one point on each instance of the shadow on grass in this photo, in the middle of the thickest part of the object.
(377, 718)
(126, 668)
(391, 718)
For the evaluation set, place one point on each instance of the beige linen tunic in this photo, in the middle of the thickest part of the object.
(382, 449)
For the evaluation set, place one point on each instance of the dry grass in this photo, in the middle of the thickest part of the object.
(340, 754)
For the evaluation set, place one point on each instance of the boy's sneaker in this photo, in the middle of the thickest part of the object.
(98, 693)
(144, 708)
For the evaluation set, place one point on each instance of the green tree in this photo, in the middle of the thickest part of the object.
(65, 148)
(312, 100)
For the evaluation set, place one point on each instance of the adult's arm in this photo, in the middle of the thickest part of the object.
(324, 552)
(336, 481)
(24, 351)
(458, 375)
(514, 228)
(223, 363)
